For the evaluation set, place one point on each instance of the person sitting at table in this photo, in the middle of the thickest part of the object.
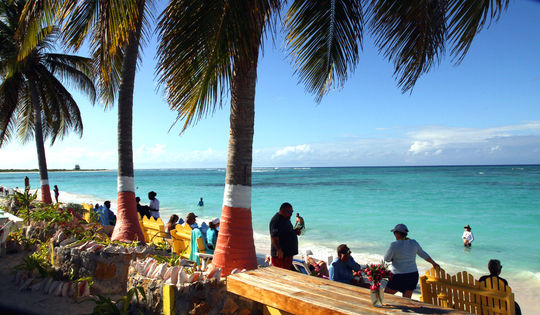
(344, 268)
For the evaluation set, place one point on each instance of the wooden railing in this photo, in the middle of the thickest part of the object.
(463, 292)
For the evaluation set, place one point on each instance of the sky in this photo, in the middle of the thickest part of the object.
(485, 110)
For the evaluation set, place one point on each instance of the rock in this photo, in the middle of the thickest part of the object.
(26, 284)
(47, 285)
(54, 287)
(182, 276)
(229, 307)
(105, 271)
(38, 285)
(65, 288)
(59, 289)
(173, 278)
(245, 311)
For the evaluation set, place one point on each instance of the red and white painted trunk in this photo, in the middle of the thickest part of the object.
(45, 191)
(235, 246)
(127, 226)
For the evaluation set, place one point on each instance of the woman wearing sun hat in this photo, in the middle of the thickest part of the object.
(402, 254)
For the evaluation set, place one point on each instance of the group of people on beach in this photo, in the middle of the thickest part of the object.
(206, 234)
(401, 254)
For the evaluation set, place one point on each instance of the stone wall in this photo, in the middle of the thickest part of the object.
(202, 297)
(107, 265)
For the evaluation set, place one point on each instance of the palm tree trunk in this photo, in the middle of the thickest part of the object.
(127, 226)
(38, 135)
(235, 247)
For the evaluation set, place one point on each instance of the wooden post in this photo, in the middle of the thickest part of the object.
(168, 299)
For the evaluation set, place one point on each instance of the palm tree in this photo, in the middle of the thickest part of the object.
(33, 101)
(208, 47)
(114, 29)
(216, 46)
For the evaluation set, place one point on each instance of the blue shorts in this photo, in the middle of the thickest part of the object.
(403, 282)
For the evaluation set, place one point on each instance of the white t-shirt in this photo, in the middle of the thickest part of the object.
(467, 235)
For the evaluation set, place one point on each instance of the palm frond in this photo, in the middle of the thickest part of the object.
(36, 16)
(9, 100)
(410, 34)
(324, 38)
(107, 25)
(198, 41)
(73, 70)
(467, 18)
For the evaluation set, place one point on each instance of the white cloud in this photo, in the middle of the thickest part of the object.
(288, 151)
(431, 145)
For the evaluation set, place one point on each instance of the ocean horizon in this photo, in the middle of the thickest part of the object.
(358, 206)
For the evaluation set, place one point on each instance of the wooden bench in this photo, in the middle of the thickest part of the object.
(181, 240)
(181, 244)
(152, 229)
(463, 292)
(283, 291)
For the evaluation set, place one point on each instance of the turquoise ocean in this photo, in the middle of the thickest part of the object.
(358, 206)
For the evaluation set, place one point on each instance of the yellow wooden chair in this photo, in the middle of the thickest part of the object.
(181, 240)
(463, 292)
(153, 230)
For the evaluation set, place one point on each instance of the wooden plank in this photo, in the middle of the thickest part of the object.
(287, 299)
(301, 294)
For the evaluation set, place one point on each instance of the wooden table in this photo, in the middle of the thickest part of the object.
(297, 293)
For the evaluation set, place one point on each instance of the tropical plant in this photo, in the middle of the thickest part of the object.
(24, 200)
(209, 47)
(108, 306)
(33, 101)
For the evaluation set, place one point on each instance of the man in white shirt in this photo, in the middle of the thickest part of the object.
(154, 204)
(468, 237)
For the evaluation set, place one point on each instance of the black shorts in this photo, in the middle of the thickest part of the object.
(403, 282)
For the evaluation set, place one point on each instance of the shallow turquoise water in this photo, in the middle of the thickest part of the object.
(359, 206)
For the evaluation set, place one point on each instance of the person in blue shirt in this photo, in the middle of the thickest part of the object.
(196, 234)
(211, 235)
(106, 216)
(344, 268)
(201, 203)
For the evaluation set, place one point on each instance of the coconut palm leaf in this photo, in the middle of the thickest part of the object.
(8, 107)
(34, 103)
(199, 40)
(410, 34)
(467, 18)
(324, 38)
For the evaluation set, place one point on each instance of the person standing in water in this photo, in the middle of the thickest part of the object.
(467, 237)
(299, 225)
(201, 202)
